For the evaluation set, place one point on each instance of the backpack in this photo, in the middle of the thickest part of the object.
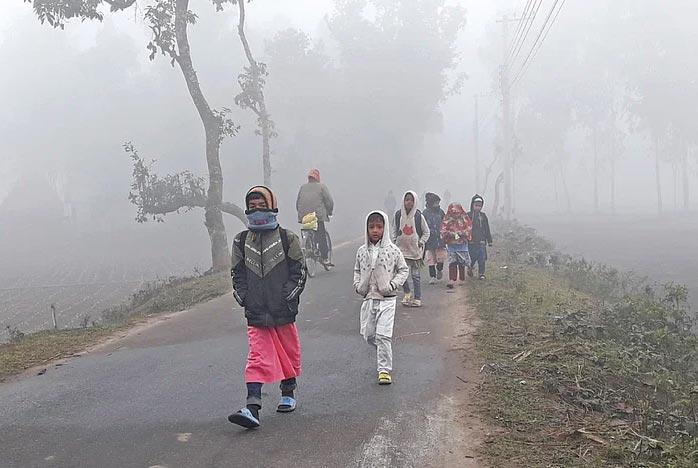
(282, 233)
(417, 222)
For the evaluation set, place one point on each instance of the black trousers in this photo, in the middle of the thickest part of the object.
(321, 240)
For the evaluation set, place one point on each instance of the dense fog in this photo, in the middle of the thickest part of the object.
(585, 115)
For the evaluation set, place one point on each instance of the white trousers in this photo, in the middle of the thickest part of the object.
(377, 319)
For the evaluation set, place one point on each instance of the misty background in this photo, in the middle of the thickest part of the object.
(378, 95)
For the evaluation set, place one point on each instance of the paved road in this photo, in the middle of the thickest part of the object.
(160, 397)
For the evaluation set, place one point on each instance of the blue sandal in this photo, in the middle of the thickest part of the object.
(286, 405)
(244, 418)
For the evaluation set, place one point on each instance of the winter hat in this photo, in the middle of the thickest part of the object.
(314, 174)
(264, 192)
(431, 198)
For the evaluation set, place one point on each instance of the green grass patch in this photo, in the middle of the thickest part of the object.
(584, 366)
(25, 351)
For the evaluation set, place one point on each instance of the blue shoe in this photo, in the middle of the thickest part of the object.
(244, 418)
(286, 405)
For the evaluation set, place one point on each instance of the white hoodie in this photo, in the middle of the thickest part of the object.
(380, 268)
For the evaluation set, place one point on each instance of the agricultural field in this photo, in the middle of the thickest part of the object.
(82, 276)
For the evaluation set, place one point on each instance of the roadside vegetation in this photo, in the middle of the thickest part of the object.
(583, 365)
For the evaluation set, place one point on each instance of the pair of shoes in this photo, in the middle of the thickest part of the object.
(244, 418)
(470, 272)
(451, 284)
(439, 275)
(432, 280)
(384, 378)
(407, 300)
(416, 303)
(483, 277)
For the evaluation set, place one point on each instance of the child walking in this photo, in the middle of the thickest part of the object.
(411, 233)
(435, 254)
(481, 238)
(379, 271)
(455, 233)
(268, 278)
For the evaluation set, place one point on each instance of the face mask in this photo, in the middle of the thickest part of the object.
(262, 221)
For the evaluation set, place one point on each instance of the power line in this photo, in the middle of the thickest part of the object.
(539, 40)
(528, 27)
(519, 29)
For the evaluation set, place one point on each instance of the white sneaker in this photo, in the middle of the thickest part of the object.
(432, 280)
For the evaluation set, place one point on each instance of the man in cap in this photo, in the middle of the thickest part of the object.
(314, 197)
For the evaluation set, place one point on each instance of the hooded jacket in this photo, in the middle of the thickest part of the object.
(481, 225)
(380, 268)
(406, 236)
(314, 197)
(434, 216)
(267, 281)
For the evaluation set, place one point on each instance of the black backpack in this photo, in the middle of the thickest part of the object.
(282, 233)
(417, 222)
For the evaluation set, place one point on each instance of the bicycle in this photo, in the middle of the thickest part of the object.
(311, 251)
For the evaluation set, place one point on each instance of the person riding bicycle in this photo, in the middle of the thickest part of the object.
(314, 197)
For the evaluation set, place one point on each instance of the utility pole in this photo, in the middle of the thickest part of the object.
(476, 134)
(505, 84)
(506, 115)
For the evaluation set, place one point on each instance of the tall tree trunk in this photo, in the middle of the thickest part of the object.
(657, 175)
(596, 172)
(497, 185)
(263, 117)
(220, 252)
(685, 184)
(563, 181)
(613, 186)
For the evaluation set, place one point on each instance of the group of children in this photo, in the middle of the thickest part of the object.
(383, 263)
(268, 273)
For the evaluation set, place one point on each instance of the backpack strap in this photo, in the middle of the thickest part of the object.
(284, 240)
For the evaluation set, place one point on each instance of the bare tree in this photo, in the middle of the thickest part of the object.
(169, 21)
(251, 97)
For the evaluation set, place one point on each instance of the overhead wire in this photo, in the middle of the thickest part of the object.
(540, 39)
(519, 29)
(529, 24)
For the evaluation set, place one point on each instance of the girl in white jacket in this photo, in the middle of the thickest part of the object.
(379, 272)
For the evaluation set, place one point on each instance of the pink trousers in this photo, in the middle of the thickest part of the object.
(275, 354)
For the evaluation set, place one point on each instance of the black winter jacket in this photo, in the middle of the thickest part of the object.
(267, 280)
(481, 225)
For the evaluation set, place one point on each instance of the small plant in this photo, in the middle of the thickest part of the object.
(14, 333)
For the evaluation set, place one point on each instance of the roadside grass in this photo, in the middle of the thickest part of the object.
(584, 366)
(24, 351)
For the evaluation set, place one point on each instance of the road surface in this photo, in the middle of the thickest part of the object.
(160, 397)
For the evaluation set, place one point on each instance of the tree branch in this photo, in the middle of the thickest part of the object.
(233, 209)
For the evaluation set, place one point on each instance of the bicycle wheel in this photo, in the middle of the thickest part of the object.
(309, 254)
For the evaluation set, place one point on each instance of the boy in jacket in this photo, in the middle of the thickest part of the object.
(379, 271)
(481, 237)
(269, 275)
(435, 250)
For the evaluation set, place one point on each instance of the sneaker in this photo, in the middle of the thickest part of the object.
(416, 303)
(439, 275)
(483, 277)
(450, 285)
(461, 283)
(384, 378)
(407, 300)
(470, 272)
(432, 280)
(244, 418)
